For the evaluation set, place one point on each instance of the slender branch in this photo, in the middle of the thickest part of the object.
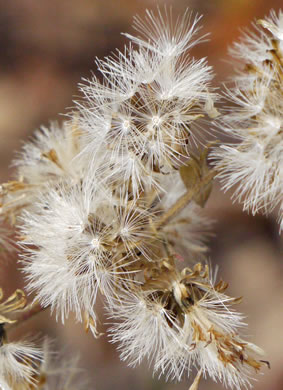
(184, 200)
(30, 311)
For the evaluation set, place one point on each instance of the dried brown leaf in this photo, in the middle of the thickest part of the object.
(191, 174)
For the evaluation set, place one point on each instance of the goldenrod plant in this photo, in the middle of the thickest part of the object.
(112, 203)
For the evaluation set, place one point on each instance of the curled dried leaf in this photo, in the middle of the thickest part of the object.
(192, 173)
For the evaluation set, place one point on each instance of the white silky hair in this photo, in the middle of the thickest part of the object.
(253, 167)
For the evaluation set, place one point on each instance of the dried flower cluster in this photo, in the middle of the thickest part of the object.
(255, 163)
(26, 366)
(109, 203)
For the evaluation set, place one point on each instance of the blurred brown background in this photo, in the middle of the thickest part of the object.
(47, 46)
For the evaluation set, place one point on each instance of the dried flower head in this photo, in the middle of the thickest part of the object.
(255, 164)
(18, 360)
(178, 320)
(19, 363)
(45, 161)
(80, 240)
(138, 124)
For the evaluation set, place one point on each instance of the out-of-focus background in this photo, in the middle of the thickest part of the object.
(47, 46)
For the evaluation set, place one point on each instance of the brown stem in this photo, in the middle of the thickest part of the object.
(30, 311)
(184, 200)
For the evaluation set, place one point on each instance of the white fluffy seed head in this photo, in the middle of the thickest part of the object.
(81, 240)
(148, 325)
(50, 154)
(148, 109)
(254, 166)
(58, 247)
(42, 163)
(143, 332)
(19, 362)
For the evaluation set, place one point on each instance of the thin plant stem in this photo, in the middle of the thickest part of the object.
(30, 311)
(184, 200)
